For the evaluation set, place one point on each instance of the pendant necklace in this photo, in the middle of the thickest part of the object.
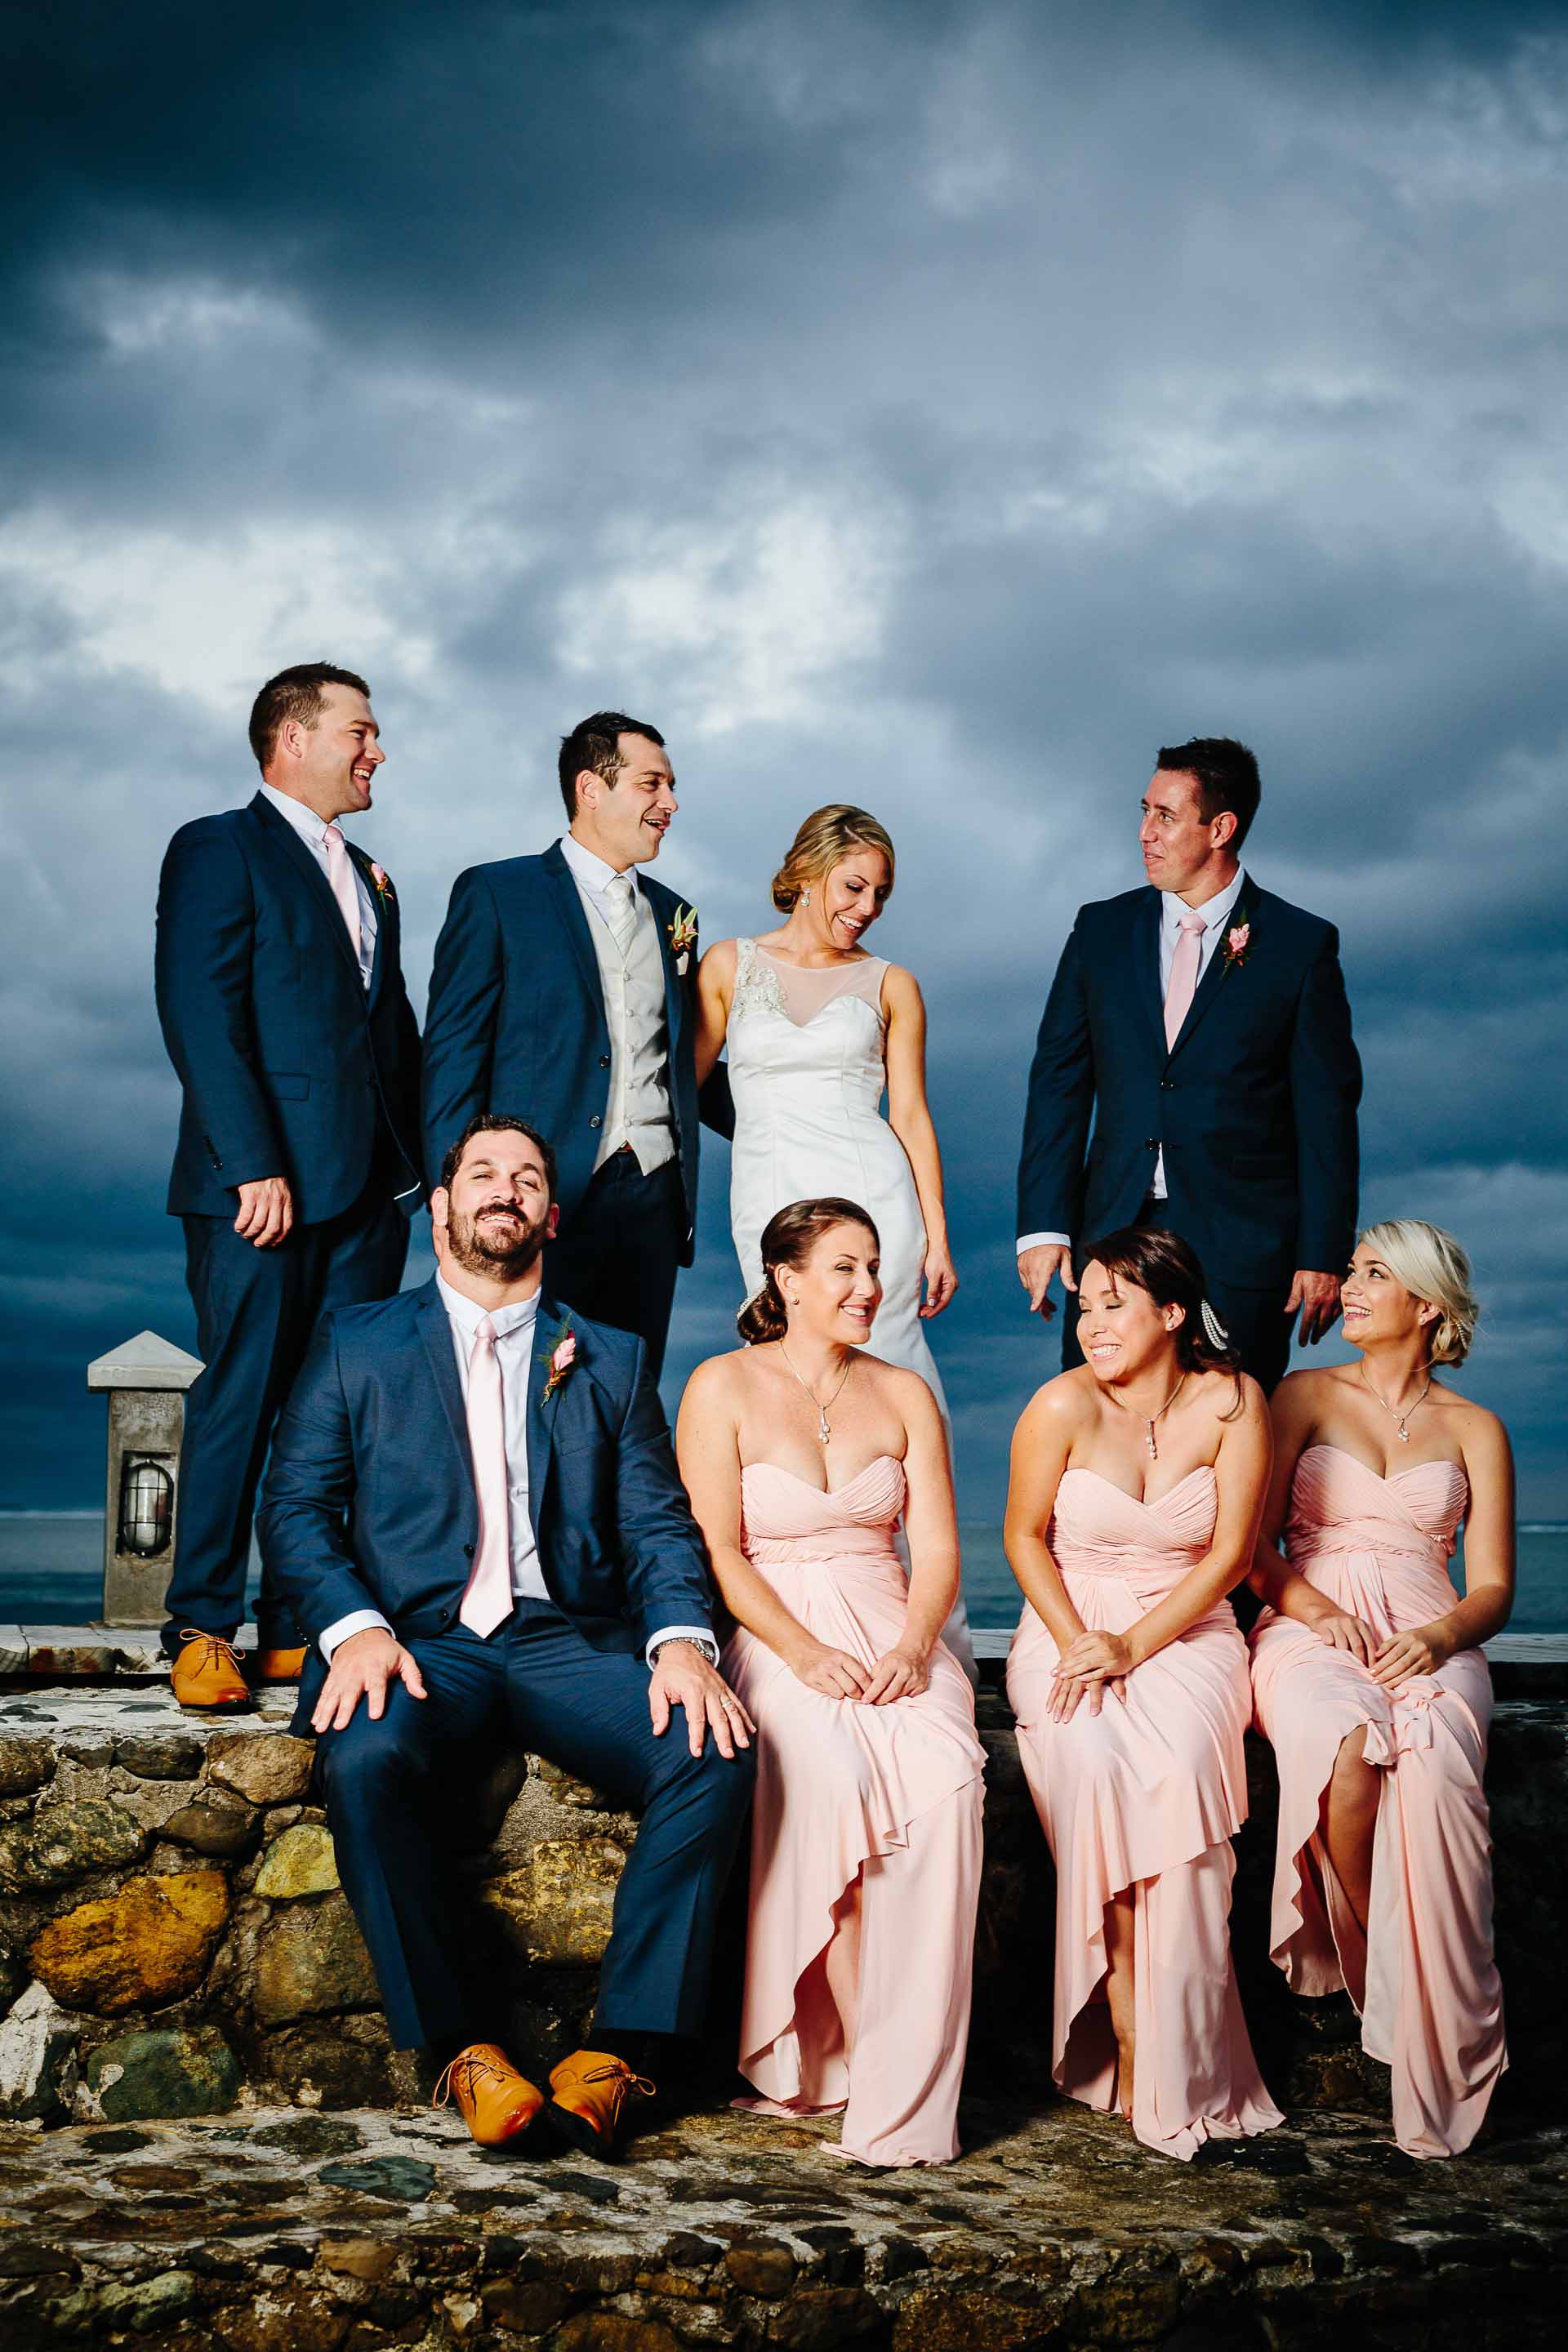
(1149, 1419)
(824, 1431)
(1400, 1419)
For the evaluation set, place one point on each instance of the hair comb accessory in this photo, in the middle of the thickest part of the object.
(1214, 1329)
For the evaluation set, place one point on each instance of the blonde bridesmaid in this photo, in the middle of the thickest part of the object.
(800, 1452)
(1137, 1487)
(1368, 1678)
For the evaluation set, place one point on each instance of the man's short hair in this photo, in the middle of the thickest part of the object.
(497, 1122)
(593, 743)
(1227, 778)
(293, 694)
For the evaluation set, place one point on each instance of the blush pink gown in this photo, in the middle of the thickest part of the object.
(1145, 1796)
(865, 1844)
(1423, 1975)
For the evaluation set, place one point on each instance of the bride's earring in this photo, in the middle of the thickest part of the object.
(805, 897)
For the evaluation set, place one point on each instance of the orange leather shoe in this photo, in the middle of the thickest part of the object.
(278, 1666)
(590, 2090)
(207, 1675)
(495, 2101)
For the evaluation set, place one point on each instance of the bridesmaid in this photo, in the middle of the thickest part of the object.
(800, 1452)
(1369, 1680)
(1137, 1487)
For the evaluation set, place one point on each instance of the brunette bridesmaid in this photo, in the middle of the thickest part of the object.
(1369, 1680)
(800, 1452)
(1137, 1488)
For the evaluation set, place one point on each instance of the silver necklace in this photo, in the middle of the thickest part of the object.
(1399, 1419)
(1149, 1419)
(824, 1431)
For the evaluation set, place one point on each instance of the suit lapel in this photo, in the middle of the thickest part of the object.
(436, 1330)
(674, 995)
(1219, 966)
(280, 831)
(383, 906)
(542, 1417)
(1146, 964)
(569, 905)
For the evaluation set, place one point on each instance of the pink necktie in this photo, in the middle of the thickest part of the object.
(1183, 984)
(487, 1598)
(341, 874)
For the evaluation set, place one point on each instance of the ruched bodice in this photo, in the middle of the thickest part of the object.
(1339, 1505)
(1096, 1529)
(787, 1521)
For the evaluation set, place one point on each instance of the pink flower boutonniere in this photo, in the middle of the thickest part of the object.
(683, 937)
(1238, 944)
(383, 889)
(561, 1357)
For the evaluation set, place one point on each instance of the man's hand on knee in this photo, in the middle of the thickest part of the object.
(683, 1677)
(365, 1666)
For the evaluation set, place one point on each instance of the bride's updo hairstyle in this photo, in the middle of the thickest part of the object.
(1147, 1259)
(788, 1239)
(827, 837)
(1432, 1266)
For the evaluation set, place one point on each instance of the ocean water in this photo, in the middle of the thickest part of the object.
(51, 1572)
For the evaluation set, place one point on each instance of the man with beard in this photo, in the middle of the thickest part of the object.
(473, 1507)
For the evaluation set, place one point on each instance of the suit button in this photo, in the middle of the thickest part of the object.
(1151, 1143)
(1167, 1086)
(468, 1551)
(604, 1061)
(596, 1120)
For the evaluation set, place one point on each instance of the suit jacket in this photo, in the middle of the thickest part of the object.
(1255, 1106)
(369, 1499)
(290, 1066)
(516, 1021)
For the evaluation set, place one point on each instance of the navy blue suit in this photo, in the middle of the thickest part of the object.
(1254, 1107)
(289, 1067)
(370, 1502)
(516, 1023)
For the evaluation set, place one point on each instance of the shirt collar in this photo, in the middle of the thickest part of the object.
(467, 1313)
(305, 822)
(590, 869)
(1214, 911)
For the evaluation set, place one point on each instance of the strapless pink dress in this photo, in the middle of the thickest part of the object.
(866, 1838)
(1423, 1977)
(1148, 1796)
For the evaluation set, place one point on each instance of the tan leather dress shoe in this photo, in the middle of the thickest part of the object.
(590, 2091)
(206, 1675)
(277, 1666)
(495, 2101)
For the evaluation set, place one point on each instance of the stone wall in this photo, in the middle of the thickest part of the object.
(174, 1940)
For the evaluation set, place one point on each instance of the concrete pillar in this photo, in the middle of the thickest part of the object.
(145, 1380)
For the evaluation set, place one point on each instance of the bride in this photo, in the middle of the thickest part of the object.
(817, 1029)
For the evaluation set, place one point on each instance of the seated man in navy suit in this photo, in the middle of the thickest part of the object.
(474, 1509)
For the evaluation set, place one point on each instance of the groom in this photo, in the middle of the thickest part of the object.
(1202, 1025)
(566, 983)
(473, 1507)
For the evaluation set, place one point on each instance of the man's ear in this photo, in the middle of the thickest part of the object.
(440, 1208)
(1222, 827)
(585, 777)
(552, 1221)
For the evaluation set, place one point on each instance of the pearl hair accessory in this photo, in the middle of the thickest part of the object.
(1214, 1329)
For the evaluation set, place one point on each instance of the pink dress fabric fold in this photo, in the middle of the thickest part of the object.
(1145, 1796)
(866, 1839)
(1423, 1975)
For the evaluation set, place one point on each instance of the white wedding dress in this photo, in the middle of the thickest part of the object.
(808, 1075)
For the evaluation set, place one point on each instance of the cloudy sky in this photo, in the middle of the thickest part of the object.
(936, 406)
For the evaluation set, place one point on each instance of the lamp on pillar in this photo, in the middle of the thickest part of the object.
(145, 1381)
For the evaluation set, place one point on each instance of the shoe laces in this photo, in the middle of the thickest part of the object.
(462, 2075)
(619, 2072)
(215, 1649)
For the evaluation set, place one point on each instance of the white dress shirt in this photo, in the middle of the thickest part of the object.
(1216, 912)
(637, 1111)
(514, 1330)
(313, 831)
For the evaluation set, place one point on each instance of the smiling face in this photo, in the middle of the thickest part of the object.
(850, 897)
(1121, 1331)
(835, 1292)
(625, 822)
(331, 765)
(1182, 850)
(1376, 1306)
(497, 1214)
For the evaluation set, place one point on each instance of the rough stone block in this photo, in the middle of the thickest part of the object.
(558, 1904)
(38, 2057)
(312, 1962)
(214, 1823)
(68, 1841)
(300, 1862)
(170, 2073)
(160, 1754)
(26, 1763)
(269, 1767)
(148, 1944)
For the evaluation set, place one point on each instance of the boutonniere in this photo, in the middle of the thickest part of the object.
(383, 889)
(561, 1356)
(1238, 944)
(683, 937)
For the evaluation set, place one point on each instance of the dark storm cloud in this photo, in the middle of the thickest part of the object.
(939, 406)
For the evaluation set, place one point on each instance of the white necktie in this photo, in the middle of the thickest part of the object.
(341, 874)
(620, 899)
(487, 1597)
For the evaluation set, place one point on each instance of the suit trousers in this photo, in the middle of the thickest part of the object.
(1259, 1326)
(256, 1310)
(395, 1789)
(619, 1251)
